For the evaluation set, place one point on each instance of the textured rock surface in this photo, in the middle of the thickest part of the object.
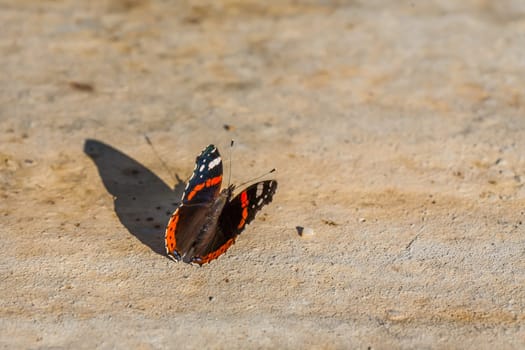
(396, 128)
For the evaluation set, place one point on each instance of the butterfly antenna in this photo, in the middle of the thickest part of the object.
(175, 179)
(231, 155)
(256, 178)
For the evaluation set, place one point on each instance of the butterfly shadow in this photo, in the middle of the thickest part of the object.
(143, 202)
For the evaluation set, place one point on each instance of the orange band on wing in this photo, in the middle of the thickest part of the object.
(244, 205)
(210, 182)
(215, 254)
(171, 242)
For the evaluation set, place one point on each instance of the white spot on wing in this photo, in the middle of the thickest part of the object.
(259, 190)
(201, 168)
(214, 163)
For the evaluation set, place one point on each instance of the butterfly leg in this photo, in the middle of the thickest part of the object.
(175, 256)
(197, 260)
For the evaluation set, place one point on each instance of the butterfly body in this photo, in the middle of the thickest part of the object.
(208, 220)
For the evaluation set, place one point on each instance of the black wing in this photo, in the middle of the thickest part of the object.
(205, 182)
(241, 210)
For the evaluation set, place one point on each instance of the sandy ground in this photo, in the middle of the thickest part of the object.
(397, 130)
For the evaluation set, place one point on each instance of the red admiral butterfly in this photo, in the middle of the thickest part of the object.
(208, 220)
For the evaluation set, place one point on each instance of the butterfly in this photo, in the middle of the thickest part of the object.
(208, 220)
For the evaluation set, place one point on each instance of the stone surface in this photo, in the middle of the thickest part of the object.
(406, 115)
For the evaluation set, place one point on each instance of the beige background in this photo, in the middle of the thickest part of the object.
(397, 129)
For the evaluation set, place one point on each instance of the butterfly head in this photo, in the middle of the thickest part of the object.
(228, 192)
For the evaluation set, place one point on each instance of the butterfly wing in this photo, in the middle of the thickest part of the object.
(241, 210)
(202, 190)
(237, 213)
(205, 183)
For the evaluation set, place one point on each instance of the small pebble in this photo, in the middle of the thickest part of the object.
(362, 219)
